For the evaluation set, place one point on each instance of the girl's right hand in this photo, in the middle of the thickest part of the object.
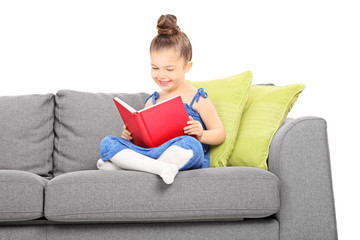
(126, 134)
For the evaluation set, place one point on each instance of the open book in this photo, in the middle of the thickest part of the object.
(155, 125)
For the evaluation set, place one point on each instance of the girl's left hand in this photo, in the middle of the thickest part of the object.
(194, 128)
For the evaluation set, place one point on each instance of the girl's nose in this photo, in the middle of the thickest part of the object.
(161, 74)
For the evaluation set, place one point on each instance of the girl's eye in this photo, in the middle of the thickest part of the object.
(170, 70)
(155, 68)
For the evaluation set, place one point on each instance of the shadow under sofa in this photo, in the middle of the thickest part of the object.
(50, 188)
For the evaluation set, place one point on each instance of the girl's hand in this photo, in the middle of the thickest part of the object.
(126, 134)
(194, 128)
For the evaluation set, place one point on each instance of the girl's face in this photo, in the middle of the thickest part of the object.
(168, 69)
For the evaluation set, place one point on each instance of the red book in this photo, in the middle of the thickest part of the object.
(156, 124)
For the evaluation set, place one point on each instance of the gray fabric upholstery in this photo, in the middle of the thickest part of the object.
(26, 133)
(299, 156)
(21, 195)
(23, 233)
(243, 230)
(82, 120)
(204, 194)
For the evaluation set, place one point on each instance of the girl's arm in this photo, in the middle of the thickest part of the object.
(215, 133)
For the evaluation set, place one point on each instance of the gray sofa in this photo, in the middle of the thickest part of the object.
(50, 188)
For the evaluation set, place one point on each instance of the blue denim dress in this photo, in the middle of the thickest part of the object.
(111, 145)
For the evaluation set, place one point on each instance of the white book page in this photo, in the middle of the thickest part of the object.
(127, 106)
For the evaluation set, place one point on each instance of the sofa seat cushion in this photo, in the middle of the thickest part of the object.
(21, 195)
(128, 196)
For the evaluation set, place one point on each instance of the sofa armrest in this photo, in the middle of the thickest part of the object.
(299, 156)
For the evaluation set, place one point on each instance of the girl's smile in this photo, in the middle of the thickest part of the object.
(164, 83)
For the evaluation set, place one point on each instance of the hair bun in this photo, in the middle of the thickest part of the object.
(167, 25)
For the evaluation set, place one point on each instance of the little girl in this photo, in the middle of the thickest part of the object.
(170, 53)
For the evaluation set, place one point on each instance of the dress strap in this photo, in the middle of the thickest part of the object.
(154, 96)
(201, 92)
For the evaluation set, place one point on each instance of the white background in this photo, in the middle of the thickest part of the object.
(102, 46)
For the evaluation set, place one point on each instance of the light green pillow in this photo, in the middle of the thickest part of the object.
(265, 111)
(229, 96)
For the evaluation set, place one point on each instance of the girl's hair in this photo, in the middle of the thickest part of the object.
(170, 37)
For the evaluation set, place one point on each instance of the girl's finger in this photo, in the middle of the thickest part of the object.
(187, 128)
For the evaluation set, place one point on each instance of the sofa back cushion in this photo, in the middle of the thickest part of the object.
(82, 120)
(26, 133)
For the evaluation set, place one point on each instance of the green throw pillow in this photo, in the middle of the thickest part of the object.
(229, 96)
(265, 111)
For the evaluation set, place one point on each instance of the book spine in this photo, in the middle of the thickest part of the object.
(146, 138)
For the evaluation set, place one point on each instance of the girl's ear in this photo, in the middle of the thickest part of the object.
(188, 66)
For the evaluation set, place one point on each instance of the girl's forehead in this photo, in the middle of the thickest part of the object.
(166, 55)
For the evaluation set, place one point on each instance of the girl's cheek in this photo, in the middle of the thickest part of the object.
(153, 75)
(171, 74)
